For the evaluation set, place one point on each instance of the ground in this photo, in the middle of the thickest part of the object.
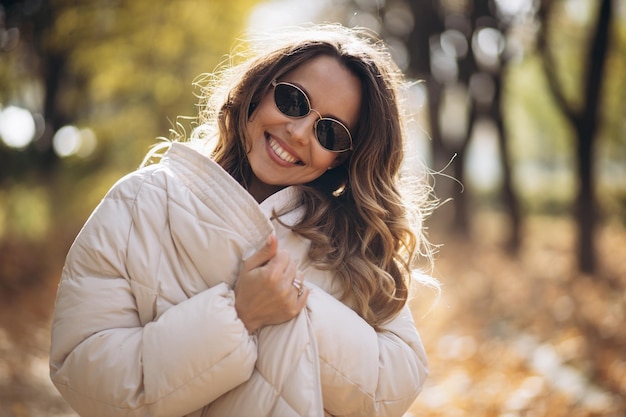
(527, 335)
(511, 335)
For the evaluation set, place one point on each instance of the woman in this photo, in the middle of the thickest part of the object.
(263, 267)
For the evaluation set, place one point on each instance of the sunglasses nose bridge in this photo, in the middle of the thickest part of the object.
(302, 129)
(319, 115)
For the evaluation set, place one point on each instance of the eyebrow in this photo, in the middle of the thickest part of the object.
(308, 96)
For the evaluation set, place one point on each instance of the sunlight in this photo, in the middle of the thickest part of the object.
(578, 10)
(484, 169)
(17, 127)
(276, 13)
(66, 141)
(512, 8)
(69, 140)
(488, 45)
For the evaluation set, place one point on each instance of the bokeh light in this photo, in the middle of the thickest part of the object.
(17, 127)
(69, 140)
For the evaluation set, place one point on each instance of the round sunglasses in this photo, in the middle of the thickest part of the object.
(293, 102)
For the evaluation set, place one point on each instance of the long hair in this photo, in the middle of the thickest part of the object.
(358, 221)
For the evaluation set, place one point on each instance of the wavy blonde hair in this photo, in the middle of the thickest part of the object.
(359, 222)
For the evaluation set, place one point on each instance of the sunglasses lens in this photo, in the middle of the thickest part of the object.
(291, 101)
(332, 135)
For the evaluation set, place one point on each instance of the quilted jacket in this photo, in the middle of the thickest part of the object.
(145, 324)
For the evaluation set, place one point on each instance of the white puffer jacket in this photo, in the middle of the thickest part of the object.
(145, 323)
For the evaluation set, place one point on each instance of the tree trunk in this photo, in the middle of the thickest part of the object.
(509, 198)
(586, 130)
(585, 122)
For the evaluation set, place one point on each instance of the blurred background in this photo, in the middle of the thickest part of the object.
(520, 112)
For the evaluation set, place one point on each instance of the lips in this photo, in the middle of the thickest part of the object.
(282, 153)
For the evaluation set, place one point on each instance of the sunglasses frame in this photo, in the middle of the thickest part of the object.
(276, 83)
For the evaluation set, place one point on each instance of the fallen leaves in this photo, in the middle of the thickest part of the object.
(527, 335)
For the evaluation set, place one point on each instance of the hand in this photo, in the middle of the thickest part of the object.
(264, 292)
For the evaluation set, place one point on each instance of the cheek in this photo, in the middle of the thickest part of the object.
(323, 159)
(265, 109)
(254, 129)
(263, 117)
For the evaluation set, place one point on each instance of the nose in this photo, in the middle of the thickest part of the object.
(302, 130)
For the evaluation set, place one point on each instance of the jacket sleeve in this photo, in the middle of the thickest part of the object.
(106, 361)
(365, 372)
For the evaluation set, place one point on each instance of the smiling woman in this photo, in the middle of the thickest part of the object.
(263, 266)
(287, 146)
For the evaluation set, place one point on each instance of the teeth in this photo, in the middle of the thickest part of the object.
(282, 154)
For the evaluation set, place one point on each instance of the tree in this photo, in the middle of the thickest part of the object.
(584, 119)
(117, 74)
(122, 69)
(445, 50)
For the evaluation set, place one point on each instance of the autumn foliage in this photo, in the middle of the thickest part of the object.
(527, 335)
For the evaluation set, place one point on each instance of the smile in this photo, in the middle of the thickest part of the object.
(282, 153)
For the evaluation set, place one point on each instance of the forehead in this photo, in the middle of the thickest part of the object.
(333, 89)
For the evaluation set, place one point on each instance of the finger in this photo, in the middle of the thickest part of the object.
(298, 283)
(298, 286)
(301, 301)
(263, 255)
(291, 271)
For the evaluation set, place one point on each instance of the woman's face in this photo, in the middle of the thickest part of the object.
(284, 150)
